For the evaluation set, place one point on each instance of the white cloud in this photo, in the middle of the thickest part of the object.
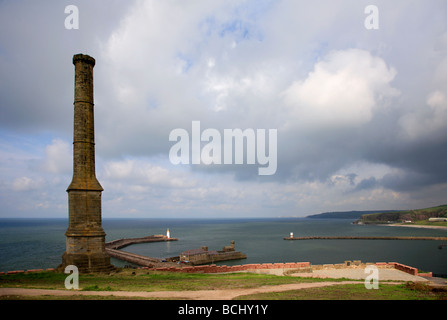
(427, 121)
(142, 173)
(58, 157)
(25, 184)
(344, 89)
(118, 169)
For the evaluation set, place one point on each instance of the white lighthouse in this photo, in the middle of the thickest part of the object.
(168, 234)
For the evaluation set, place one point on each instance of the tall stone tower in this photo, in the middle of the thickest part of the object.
(85, 246)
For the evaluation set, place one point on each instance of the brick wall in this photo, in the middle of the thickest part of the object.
(404, 268)
(245, 267)
(254, 267)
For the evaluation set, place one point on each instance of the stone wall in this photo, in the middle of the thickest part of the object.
(121, 243)
(244, 267)
(287, 267)
(282, 268)
(219, 256)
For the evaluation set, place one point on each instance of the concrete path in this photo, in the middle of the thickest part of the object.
(352, 273)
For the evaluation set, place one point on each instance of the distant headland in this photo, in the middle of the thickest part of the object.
(345, 214)
(434, 216)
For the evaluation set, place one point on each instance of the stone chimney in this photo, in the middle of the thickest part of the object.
(85, 237)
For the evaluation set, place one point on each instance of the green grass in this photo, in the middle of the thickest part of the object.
(143, 280)
(354, 292)
(96, 288)
(41, 280)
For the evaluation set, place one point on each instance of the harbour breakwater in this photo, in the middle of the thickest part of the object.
(190, 257)
(133, 258)
(121, 243)
(112, 248)
(365, 238)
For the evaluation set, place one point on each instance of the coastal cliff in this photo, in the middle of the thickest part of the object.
(420, 216)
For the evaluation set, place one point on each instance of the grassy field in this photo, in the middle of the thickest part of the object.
(143, 280)
(407, 291)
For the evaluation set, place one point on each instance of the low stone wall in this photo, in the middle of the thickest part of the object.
(358, 264)
(287, 267)
(410, 270)
(425, 274)
(283, 268)
(244, 267)
(26, 271)
(404, 268)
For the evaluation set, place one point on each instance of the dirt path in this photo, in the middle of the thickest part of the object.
(194, 295)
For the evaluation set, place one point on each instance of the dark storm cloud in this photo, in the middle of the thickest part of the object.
(36, 90)
(422, 164)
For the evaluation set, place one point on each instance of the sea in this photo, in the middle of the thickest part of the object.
(39, 243)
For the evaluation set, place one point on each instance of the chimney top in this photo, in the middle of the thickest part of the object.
(84, 58)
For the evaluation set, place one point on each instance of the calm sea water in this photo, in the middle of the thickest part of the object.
(40, 243)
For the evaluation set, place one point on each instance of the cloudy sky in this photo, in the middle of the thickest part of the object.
(360, 114)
